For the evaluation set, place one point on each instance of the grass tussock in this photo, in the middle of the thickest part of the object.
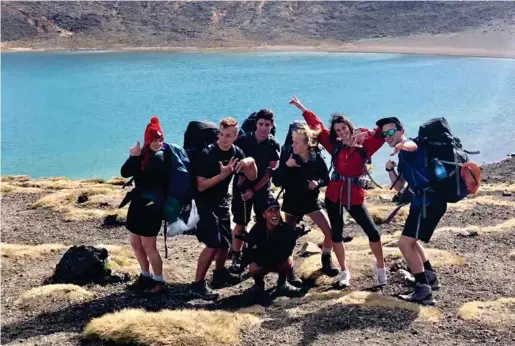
(102, 201)
(45, 295)
(167, 327)
(498, 314)
(324, 300)
(380, 213)
(31, 251)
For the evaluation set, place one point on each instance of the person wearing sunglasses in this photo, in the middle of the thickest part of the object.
(412, 169)
(350, 151)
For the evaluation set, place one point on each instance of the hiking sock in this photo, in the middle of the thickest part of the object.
(421, 278)
(146, 274)
(159, 278)
(326, 250)
(427, 266)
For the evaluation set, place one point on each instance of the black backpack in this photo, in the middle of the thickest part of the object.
(198, 136)
(249, 125)
(441, 147)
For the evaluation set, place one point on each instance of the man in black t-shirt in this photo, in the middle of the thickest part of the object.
(217, 165)
(269, 249)
(264, 149)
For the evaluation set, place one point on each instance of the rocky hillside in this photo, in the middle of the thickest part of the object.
(222, 24)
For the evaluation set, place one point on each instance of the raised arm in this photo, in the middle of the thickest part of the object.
(204, 184)
(133, 164)
(315, 123)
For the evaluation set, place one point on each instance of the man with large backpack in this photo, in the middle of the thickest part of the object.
(422, 164)
(219, 162)
(261, 145)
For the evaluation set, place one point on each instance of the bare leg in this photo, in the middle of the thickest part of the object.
(135, 241)
(149, 245)
(204, 261)
(322, 221)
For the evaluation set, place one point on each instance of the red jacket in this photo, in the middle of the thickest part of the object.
(349, 163)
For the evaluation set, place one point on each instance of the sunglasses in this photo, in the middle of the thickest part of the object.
(389, 133)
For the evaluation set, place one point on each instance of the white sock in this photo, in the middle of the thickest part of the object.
(146, 274)
(326, 250)
(159, 278)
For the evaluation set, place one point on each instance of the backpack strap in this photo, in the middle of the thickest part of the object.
(165, 230)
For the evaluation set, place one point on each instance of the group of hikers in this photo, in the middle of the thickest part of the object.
(254, 160)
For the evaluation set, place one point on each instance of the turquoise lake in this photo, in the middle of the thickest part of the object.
(77, 114)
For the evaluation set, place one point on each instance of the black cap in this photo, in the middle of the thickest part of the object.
(391, 120)
(271, 202)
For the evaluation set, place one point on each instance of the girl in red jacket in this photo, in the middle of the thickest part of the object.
(349, 152)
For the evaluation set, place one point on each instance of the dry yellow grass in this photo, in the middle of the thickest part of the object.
(498, 314)
(472, 202)
(503, 226)
(439, 258)
(44, 295)
(122, 259)
(31, 251)
(167, 327)
(66, 202)
(380, 213)
(497, 187)
(324, 300)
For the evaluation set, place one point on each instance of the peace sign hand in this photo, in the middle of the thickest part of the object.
(296, 102)
(135, 150)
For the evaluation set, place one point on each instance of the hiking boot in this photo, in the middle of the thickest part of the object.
(327, 265)
(344, 279)
(142, 283)
(381, 276)
(288, 290)
(159, 287)
(236, 266)
(294, 279)
(202, 290)
(432, 279)
(422, 295)
(222, 277)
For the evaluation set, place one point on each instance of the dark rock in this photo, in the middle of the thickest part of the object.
(83, 198)
(506, 194)
(112, 221)
(104, 205)
(82, 265)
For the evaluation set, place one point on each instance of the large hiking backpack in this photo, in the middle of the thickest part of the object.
(443, 149)
(249, 125)
(198, 135)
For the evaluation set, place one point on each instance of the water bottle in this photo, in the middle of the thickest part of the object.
(440, 171)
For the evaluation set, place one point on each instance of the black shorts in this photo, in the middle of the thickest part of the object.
(295, 206)
(422, 228)
(144, 217)
(241, 210)
(214, 227)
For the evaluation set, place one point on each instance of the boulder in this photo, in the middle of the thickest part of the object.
(82, 265)
(309, 249)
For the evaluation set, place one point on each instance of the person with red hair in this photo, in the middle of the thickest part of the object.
(144, 218)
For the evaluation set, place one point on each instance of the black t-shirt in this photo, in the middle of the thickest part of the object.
(155, 175)
(209, 166)
(272, 247)
(262, 152)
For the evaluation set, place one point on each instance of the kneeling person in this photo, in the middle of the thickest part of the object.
(269, 249)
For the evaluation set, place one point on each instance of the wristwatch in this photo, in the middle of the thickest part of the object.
(390, 170)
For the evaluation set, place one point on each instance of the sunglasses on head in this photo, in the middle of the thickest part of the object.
(389, 133)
